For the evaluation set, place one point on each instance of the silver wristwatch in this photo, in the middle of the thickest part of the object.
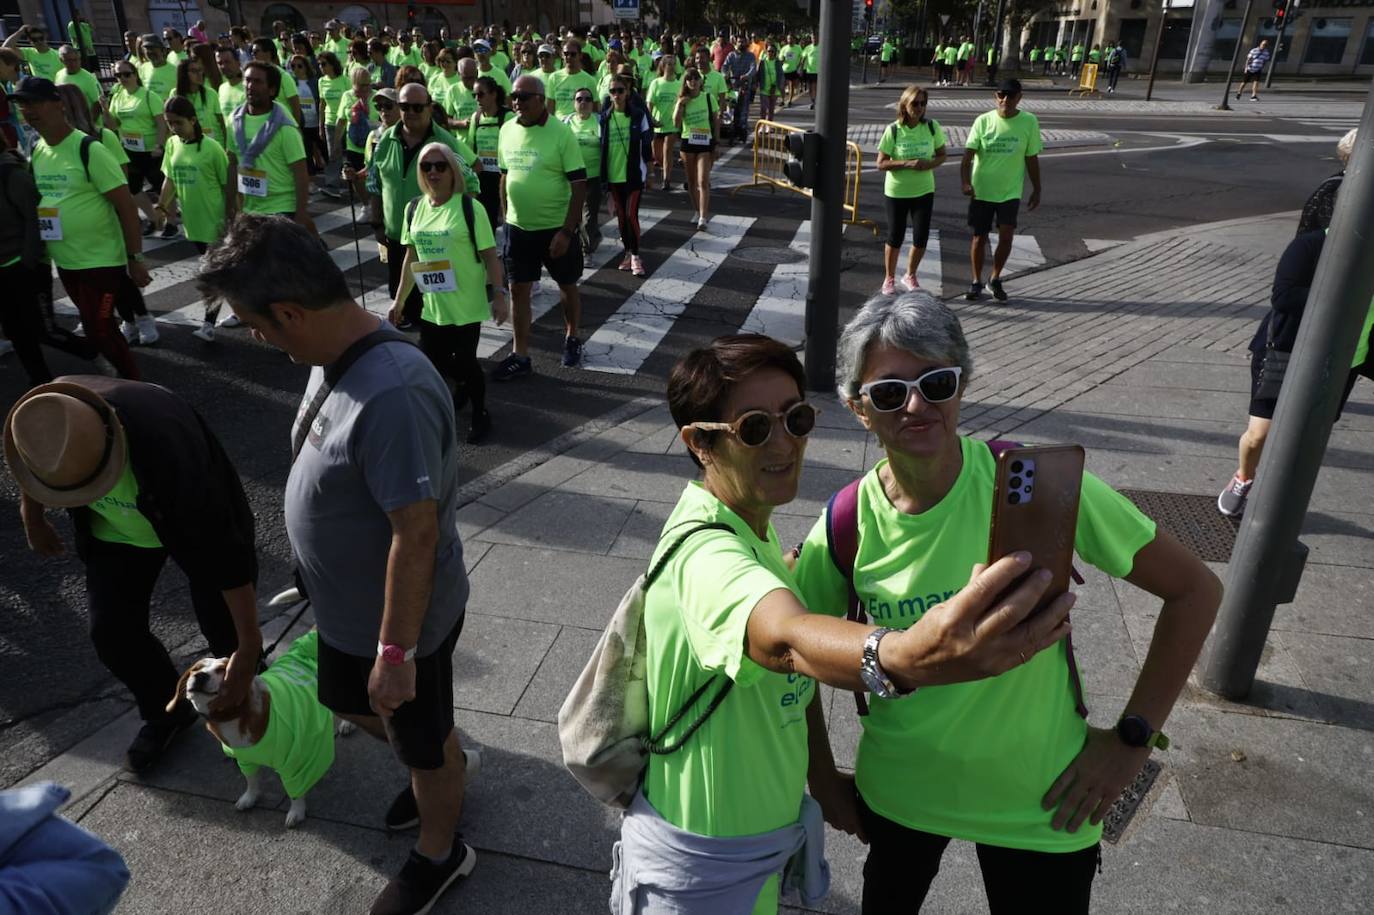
(872, 673)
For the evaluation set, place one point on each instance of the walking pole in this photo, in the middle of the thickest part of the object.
(357, 248)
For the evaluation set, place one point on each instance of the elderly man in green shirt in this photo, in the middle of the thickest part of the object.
(73, 72)
(82, 37)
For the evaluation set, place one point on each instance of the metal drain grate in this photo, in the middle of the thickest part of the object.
(1193, 519)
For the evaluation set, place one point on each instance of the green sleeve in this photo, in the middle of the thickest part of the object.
(1034, 144)
(405, 224)
(975, 135)
(106, 174)
(110, 140)
(293, 147)
(1111, 530)
(288, 87)
(500, 149)
(823, 589)
(888, 143)
(939, 135)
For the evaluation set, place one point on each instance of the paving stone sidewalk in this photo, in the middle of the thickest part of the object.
(1137, 353)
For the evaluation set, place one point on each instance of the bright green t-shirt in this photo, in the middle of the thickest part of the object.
(345, 111)
(810, 57)
(459, 101)
(199, 172)
(536, 162)
(231, 96)
(500, 60)
(588, 133)
(161, 81)
(904, 143)
(951, 55)
(89, 227)
(562, 85)
(967, 760)
(443, 86)
(965, 51)
(768, 77)
(273, 167)
(696, 119)
(208, 113)
(744, 770)
(398, 58)
(1094, 56)
(1002, 146)
(299, 741)
(713, 83)
(388, 161)
(886, 52)
(618, 148)
(1077, 52)
(81, 36)
(115, 517)
(135, 112)
(288, 88)
(46, 64)
(110, 140)
(497, 74)
(445, 258)
(662, 97)
(484, 138)
(82, 79)
(332, 89)
(791, 57)
(1035, 55)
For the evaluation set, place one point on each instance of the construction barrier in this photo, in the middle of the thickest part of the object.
(1087, 81)
(770, 155)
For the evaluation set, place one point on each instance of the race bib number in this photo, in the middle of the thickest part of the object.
(699, 136)
(133, 142)
(489, 164)
(252, 182)
(435, 276)
(49, 224)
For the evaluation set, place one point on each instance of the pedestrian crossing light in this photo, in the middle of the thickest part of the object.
(868, 10)
(803, 156)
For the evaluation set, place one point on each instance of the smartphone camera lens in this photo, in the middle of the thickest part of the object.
(1015, 483)
(1029, 472)
(1028, 490)
(1016, 466)
(1014, 498)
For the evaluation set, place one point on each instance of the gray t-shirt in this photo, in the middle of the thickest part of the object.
(385, 438)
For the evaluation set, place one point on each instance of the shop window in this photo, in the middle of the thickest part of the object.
(1367, 55)
(1267, 30)
(356, 16)
(1327, 40)
(164, 14)
(286, 13)
(1175, 45)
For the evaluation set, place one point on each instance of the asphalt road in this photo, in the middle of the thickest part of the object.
(53, 690)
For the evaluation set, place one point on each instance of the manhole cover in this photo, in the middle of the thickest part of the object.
(1193, 519)
(769, 254)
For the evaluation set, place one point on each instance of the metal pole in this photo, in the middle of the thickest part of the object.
(1235, 56)
(997, 34)
(1159, 41)
(1261, 571)
(827, 201)
(1278, 43)
(863, 54)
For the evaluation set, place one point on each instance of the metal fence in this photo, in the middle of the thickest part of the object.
(770, 155)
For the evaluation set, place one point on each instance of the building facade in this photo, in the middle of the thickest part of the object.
(1327, 37)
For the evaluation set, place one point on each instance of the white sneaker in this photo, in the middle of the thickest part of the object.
(230, 320)
(636, 265)
(147, 330)
(79, 330)
(701, 224)
(130, 331)
(205, 332)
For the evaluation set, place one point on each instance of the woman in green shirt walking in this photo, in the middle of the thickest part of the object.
(661, 95)
(910, 150)
(191, 85)
(333, 84)
(484, 138)
(135, 113)
(698, 121)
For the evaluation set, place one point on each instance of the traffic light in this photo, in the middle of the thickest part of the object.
(868, 10)
(1280, 10)
(803, 162)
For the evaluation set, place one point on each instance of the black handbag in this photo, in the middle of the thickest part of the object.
(1273, 367)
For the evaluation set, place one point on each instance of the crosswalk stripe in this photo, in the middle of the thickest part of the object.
(545, 295)
(780, 311)
(621, 345)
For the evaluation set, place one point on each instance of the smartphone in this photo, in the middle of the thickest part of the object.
(1035, 509)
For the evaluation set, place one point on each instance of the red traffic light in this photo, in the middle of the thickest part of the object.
(868, 4)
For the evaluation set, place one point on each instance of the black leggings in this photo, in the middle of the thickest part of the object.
(919, 210)
(453, 350)
(119, 587)
(626, 204)
(490, 196)
(903, 862)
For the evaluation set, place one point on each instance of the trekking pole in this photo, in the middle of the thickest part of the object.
(357, 247)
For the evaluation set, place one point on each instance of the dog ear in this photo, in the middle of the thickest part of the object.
(181, 689)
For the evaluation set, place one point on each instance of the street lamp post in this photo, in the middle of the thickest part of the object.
(1235, 57)
(1159, 41)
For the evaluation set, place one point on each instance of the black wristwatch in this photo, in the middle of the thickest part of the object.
(1135, 731)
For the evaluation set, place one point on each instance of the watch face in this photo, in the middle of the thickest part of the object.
(1133, 731)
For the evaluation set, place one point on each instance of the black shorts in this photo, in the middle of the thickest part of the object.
(811, 79)
(984, 214)
(418, 728)
(527, 251)
(354, 160)
(689, 148)
(144, 167)
(1263, 408)
(790, 77)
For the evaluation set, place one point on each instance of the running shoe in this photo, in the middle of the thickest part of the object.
(511, 367)
(909, 282)
(79, 330)
(230, 320)
(147, 330)
(130, 331)
(148, 228)
(628, 262)
(975, 292)
(572, 352)
(637, 265)
(205, 332)
(155, 736)
(169, 231)
(1231, 502)
(422, 881)
(889, 286)
(995, 287)
(1254, 98)
(701, 223)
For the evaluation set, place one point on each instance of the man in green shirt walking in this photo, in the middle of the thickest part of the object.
(41, 59)
(82, 37)
(73, 72)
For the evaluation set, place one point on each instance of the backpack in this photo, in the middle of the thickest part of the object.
(842, 542)
(1114, 58)
(467, 218)
(358, 124)
(603, 726)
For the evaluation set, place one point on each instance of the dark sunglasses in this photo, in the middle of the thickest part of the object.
(619, 91)
(583, 98)
(891, 394)
(384, 106)
(414, 107)
(755, 427)
(525, 96)
(437, 167)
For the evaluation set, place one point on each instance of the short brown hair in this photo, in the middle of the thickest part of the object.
(702, 381)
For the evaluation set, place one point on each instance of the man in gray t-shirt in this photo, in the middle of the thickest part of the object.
(370, 511)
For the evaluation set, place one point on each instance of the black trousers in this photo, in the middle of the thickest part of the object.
(453, 350)
(903, 862)
(119, 588)
(395, 257)
(21, 319)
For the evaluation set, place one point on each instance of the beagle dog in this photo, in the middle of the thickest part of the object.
(280, 724)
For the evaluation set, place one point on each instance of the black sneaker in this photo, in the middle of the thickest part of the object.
(421, 882)
(513, 366)
(403, 813)
(148, 228)
(155, 736)
(975, 292)
(572, 351)
(998, 293)
(481, 426)
(169, 231)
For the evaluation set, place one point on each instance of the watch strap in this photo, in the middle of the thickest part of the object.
(406, 655)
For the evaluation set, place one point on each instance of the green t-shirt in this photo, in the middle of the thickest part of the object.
(161, 81)
(791, 58)
(288, 88)
(1094, 56)
(618, 148)
(951, 55)
(136, 114)
(768, 77)
(299, 741)
(662, 97)
(110, 140)
(459, 101)
(345, 111)
(562, 85)
(1077, 52)
(231, 96)
(713, 82)
(537, 162)
(208, 113)
(744, 770)
(904, 143)
(340, 48)
(47, 64)
(86, 220)
(199, 172)
(500, 60)
(967, 760)
(398, 58)
(887, 50)
(588, 133)
(696, 119)
(1059, 54)
(444, 260)
(81, 36)
(82, 79)
(498, 74)
(271, 179)
(810, 58)
(1035, 55)
(332, 89)
(443, 87)
(1002, 146)
(484, 138)
(392, 175)
(965, 51)
(115, 517)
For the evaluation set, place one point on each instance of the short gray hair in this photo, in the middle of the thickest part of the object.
(915, 321)
(1346, 145)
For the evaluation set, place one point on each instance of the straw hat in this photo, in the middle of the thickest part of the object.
(65, 445)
